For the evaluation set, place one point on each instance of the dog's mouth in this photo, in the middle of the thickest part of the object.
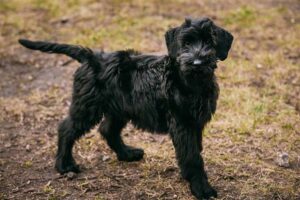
(198, 72)
(197, 65)
(209, 69)
(206, 67)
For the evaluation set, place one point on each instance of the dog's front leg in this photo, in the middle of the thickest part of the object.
(187, 145)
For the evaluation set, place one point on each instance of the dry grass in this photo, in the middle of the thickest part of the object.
(258, 114)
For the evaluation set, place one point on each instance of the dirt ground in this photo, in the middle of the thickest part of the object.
(258, 115)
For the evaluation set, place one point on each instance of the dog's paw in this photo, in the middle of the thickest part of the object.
(202, 190)
(131, 154)
(65, 167)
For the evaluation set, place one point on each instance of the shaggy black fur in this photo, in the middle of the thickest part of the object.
(176, 94)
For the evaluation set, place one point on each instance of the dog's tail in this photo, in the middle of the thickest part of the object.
(79, 53)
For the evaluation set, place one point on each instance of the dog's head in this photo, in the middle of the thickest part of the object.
(197, 45)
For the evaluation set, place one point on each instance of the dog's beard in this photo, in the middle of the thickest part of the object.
(187, 67)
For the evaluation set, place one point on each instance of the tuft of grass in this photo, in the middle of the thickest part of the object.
(98, 197)
(27, 164)
(48, 188)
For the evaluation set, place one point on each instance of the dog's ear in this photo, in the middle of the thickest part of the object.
(223, 41)
(187, 22)
(171, 41)
(207, 24)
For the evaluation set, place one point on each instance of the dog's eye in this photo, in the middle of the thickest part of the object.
(187, 44)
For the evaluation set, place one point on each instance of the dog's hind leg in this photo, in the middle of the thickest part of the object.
(84, 115)
(110, 128)
(69, 131)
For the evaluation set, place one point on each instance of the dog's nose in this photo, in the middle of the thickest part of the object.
(197, 62)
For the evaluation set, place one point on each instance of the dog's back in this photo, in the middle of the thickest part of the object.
(133, 88)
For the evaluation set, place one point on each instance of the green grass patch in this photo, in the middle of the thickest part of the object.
(243, 16)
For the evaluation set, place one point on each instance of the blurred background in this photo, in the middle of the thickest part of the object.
(251, 147)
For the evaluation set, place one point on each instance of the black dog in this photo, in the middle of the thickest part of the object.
(175, 94)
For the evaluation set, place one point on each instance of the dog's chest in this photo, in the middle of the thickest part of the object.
(195, 107)
(202, 109)
(199, 108)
